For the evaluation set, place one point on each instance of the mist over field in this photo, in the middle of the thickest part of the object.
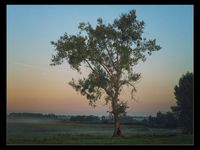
(32, 130)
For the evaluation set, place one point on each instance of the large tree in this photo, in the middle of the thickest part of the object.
(184, 100)
(110, 51)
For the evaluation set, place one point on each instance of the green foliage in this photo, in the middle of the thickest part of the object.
(110, 51)
(184, 96)
(162, 120)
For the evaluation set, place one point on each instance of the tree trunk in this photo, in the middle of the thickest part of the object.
(117, 129)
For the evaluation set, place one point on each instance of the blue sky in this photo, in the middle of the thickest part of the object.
(30, 28)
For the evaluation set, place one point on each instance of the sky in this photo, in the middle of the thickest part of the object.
(35, 86)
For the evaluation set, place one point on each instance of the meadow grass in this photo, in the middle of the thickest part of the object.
(56, 132)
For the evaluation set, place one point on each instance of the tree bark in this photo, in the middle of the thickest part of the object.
(117, 129)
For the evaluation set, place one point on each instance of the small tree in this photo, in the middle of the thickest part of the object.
(110, 51)
(184, 96)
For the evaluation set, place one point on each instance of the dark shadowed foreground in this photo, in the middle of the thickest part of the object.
(57, 132)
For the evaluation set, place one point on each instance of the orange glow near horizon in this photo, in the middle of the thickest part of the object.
(32, 90)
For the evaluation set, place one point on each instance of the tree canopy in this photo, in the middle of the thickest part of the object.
(110, 51)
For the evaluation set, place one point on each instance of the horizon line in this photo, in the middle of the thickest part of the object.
(66, 114)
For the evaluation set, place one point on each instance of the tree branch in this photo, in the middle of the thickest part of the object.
(89, 65)
(126, 82)
(110, 57)
(104, 66)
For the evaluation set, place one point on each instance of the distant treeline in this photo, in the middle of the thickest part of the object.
(161, 120)
(77, 118)
(35, 116)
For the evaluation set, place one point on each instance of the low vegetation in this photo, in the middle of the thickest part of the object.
(59, 132)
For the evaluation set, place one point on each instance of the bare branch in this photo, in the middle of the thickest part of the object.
(89, 65)
(105, 67)
(108, 51)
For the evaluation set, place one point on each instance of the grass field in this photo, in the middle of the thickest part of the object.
(52, 132)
